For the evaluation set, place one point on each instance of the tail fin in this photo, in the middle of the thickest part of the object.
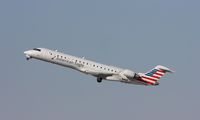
(155, 74)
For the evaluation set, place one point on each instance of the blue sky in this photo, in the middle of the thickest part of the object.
(133, 34)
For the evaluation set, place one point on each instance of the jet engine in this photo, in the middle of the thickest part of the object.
(130, 74)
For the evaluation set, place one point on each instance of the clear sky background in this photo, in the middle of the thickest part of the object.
(134, 34)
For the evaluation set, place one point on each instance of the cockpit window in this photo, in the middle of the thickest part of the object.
(37, 49)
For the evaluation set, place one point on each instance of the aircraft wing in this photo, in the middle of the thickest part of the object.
(97, 73)
(122, 76)
(105, 75)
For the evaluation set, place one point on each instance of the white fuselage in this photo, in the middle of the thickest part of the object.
(98, 70)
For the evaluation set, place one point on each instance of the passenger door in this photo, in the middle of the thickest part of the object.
(52, 55)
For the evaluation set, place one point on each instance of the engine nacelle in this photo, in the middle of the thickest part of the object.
(129, 74)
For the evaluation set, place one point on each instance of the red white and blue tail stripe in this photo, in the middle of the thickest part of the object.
(152, 77)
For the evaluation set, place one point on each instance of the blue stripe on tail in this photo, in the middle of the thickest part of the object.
(151, 73)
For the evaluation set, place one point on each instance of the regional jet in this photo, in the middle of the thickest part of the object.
(100, 71)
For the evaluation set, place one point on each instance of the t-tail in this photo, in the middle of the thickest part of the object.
(153, 76)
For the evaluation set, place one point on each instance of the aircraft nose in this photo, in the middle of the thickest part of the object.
(27, 52)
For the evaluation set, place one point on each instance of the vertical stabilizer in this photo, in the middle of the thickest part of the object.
(155, 74)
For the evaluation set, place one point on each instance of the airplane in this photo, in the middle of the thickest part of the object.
(100, 71)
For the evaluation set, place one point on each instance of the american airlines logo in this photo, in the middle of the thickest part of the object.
(70, 62)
